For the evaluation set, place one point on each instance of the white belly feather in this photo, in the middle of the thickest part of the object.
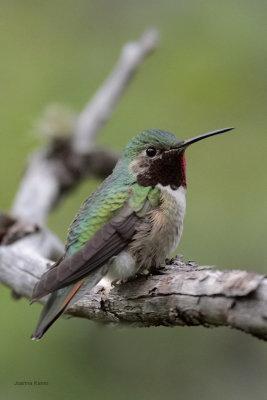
(179, 197)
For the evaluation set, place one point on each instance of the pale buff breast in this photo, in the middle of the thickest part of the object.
(160, 231)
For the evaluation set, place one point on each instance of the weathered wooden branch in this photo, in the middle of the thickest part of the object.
(182, 294)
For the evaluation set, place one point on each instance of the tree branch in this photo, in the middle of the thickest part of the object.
(54, 170)
(102, 104)
(182, 294)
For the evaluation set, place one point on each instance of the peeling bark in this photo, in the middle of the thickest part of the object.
(183, 294)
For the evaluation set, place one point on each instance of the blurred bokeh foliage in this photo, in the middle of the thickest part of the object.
(208, 72)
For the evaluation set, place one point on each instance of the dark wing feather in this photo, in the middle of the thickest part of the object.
(107, 242)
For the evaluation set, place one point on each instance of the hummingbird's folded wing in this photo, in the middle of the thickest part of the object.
(107, 242)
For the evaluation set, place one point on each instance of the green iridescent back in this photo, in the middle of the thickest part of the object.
(98, 208)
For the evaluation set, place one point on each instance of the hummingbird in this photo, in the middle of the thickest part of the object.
(128, 225)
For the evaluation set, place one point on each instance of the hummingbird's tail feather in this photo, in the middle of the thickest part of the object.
(54, 307)
(64, 297)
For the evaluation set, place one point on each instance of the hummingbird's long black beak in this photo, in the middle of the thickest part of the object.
(195, 139)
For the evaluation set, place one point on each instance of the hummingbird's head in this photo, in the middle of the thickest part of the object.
(157, 157)
(154, 158)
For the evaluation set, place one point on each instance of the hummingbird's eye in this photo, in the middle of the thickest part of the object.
(151, 151)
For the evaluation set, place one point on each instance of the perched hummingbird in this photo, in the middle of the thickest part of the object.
(130, 223)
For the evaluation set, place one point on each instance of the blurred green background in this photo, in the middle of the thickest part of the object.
(208, 72)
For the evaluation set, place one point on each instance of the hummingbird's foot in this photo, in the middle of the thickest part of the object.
(157, 270)
(118, 282)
